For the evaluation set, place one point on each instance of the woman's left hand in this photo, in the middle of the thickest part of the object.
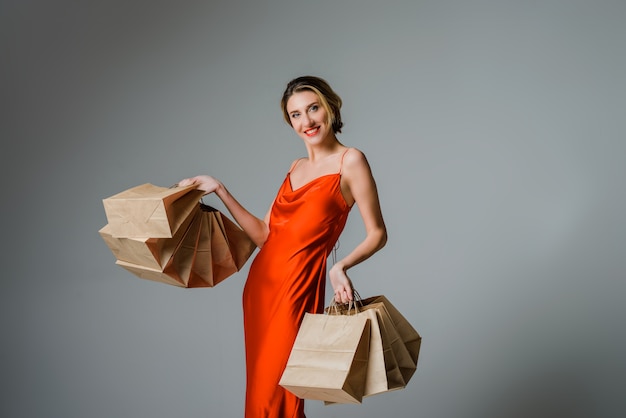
(342, 285)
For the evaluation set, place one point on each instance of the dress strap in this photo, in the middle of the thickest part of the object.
(341, 164)
(294, 164)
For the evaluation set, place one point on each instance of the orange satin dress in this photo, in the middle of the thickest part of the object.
(287, 279)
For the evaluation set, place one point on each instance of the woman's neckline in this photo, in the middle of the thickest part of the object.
(308, 182)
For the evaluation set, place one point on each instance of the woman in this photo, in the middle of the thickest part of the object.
(287, 277)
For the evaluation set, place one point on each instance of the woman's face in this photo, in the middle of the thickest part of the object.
(308, 118)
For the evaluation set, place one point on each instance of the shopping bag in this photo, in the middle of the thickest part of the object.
(205, 250)
(328, 361)
(150, 273)
(212, 249)
(240, 246)
(407, 341)
(383, 370)
(150, 211)
(152, 253)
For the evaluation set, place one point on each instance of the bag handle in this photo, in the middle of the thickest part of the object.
(349, 307)
(204, 207)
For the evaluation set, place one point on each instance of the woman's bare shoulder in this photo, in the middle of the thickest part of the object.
(355, 159)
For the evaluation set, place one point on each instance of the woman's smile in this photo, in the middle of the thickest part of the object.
(312, 132)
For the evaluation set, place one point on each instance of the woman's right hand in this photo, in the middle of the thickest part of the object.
(207, 184)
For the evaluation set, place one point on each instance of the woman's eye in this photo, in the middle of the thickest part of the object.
(294, 115)
(313, 108)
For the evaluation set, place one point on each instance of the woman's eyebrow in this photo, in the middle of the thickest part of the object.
(306, 107)
(315, 103)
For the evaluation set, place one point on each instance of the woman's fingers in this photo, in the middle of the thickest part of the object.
(343, 295)
(186, 182)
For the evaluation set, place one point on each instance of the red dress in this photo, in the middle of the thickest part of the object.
(287, 279)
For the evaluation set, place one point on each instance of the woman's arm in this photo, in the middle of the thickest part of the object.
(257, 229)
(361, 187)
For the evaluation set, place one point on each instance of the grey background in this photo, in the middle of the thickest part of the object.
(495, 130)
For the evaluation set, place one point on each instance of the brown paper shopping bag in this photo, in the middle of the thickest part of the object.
(150, 211)
(152, 253)
(383, 370)
(328, 361)
(212, 249)
(405, 340)
(206, 249)
(148, 273)
(240, 245)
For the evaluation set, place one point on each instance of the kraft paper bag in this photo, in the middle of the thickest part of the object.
(383, 370)
(148, 273)
(397, 324)
(240, 245)
(205, 250)
(329, 358)
(150, 211)
(212, 249)
(152, 253)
